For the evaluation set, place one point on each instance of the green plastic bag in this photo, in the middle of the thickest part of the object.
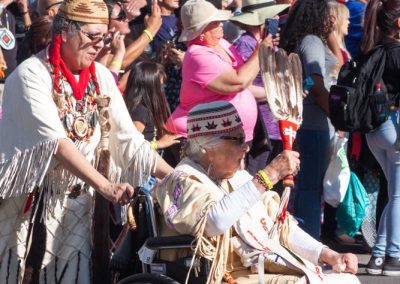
(351, 212)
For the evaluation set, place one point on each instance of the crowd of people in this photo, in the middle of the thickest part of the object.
(100, 97)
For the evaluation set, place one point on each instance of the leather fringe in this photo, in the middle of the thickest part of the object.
(26, 169)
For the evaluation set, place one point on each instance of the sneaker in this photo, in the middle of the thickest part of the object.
(375, 265)
(391, 267)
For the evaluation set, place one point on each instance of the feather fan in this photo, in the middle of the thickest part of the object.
(282, 78)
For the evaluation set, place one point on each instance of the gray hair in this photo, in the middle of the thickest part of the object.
(62, 24)
(194, 147)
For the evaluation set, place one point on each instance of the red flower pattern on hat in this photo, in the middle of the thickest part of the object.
(226, 123)
(212, 119)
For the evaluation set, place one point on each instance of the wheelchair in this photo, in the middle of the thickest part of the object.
(146, 265)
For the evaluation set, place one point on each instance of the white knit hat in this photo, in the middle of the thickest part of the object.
(212, 118)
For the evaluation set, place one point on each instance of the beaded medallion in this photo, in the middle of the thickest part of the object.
(78, 117)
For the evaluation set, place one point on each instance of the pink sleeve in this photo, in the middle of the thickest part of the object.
(205, 66)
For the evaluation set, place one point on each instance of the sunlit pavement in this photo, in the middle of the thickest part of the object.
(363, 258)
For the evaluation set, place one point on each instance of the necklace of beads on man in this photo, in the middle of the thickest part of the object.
(79, 117)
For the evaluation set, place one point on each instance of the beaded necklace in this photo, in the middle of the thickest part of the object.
(79, 117)
(76, 107)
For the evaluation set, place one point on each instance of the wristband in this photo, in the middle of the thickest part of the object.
(117, 63)
(153, 145)
(24, 13)
(266, 180)
(148, 33)
(260, 181)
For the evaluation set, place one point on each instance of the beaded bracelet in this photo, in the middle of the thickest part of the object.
(266, 180)
(260, 181)
(153, 145)
(148, 33)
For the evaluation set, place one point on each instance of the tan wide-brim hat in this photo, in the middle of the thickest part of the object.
(86, 11)
(254, 12)
(196, 15)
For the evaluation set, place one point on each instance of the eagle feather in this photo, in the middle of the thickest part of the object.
(283, 84)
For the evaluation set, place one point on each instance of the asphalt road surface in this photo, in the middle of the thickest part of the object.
(363, 258)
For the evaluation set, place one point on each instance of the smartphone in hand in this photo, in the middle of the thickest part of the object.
(271, 27)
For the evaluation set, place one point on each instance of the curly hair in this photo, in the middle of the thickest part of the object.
(306, 17)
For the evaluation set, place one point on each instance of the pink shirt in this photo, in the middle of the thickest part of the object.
(201, 65)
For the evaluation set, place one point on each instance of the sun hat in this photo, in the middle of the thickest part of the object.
(212, 118)
(254, 12)
(86, 11)
(196, 15)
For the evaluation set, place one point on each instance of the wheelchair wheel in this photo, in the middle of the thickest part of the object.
(148, 278)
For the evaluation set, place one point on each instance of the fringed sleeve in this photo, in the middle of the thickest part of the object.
(30, 129)
(25, 170)
(141, 165)
(132, 155)
(132, 159)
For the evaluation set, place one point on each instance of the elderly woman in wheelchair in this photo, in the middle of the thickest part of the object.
(230, 213)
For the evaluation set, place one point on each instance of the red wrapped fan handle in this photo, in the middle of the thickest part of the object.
(288, 130)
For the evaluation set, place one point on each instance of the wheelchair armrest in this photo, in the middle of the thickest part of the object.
(170, 242)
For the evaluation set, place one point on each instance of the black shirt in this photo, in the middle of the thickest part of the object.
(142, 114)
(391, 75)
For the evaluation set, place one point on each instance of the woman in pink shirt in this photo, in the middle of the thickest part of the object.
(212, 68)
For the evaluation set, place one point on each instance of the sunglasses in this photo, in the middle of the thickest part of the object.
(96, 38)
(239, 140)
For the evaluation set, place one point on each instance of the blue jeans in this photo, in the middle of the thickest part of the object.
(313, 146)
(382, 144)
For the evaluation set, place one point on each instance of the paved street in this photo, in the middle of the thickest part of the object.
(363, 258)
